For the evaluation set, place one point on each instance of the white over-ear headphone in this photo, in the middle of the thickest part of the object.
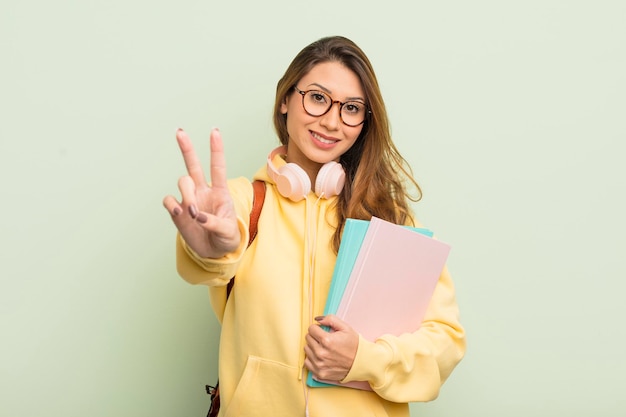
(294, 183)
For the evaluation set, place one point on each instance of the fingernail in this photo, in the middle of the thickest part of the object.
(202, 218)
(319, 318)
(180, 129)
(176, 211)
(193, 211)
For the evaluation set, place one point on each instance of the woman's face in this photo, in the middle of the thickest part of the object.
(314, 141)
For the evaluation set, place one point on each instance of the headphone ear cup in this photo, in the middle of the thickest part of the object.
(293, 182)
(330, 180)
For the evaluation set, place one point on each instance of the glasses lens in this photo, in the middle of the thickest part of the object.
(353, 113)
(316, 103)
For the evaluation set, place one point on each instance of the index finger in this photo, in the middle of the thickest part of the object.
(218, 160)
(194, 168)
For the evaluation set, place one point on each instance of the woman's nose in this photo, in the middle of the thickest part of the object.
(332, 119)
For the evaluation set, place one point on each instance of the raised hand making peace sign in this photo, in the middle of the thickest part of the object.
(206, 217)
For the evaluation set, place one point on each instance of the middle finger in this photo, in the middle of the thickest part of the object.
(194, 167)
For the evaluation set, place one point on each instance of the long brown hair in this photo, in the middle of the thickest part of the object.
(376, 173)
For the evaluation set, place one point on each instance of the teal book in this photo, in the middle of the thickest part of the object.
(354, 232)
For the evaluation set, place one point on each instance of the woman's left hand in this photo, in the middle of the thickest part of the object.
(329, 355)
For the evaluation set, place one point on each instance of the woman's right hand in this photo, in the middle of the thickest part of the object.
(206, 216)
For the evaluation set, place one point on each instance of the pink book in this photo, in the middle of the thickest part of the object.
(392, 282)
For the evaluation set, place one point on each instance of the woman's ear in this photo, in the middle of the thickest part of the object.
(283, 106)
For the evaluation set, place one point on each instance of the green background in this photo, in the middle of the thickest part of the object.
(510, 112)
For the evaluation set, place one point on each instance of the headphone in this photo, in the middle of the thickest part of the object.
(293, 183)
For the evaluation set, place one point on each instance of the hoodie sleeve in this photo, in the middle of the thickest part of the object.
(413, 366)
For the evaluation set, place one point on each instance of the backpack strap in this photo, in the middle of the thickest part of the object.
(257, 205)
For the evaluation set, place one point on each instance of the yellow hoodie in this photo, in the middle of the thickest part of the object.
(282, 283)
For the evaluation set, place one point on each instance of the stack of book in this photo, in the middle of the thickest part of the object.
(383, 280)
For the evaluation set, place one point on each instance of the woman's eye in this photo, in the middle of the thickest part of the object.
(318, 97)
(352, 108)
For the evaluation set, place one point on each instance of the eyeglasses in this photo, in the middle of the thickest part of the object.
(317, 103)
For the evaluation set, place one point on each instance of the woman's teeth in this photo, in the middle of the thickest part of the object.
(323, 140)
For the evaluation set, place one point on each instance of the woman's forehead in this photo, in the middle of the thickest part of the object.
(333, 78)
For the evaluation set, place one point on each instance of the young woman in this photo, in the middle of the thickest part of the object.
(337, 161)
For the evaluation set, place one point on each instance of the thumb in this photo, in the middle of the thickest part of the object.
(333, 322)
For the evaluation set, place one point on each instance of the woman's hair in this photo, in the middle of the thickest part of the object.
(376, 173)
